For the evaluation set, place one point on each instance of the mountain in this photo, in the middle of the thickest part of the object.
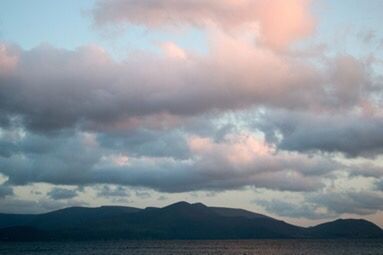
(181, 220)
(345, 228)
(233, 212)
(64, 218)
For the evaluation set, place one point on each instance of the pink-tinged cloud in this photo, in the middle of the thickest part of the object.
(8, 60)
(239, 150)
(172, 50)
(284, 21)
(54, 88)
(280, 22)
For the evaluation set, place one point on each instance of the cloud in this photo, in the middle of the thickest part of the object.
(8, 59)
(349, 133)
(173, 51)
(162, 198)
(326, 205)
(60, 193)
(349, 77)
(52, 89)
(112, 191)
(251, 111)
(63, 158)
(5, 190)
(142, 194)
(17, 205)
(165, 122)
(379, 184)
(147, 142)
(278, 21)
(293, 210)
(361, 203)
(366, 170)
(233, 162)
(367, 36)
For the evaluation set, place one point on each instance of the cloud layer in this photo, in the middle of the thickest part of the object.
(261, 109)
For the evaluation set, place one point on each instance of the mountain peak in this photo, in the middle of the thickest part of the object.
(184, 204)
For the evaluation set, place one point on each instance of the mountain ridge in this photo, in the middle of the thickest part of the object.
(181, 220)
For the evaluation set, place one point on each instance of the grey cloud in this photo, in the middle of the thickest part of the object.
(21, 206)
(293, 210)
(325, 205)
(213, 172)
(53, 98)
(353, 135)
(362, 203)
(162, 198)
(5, 190)
(85, 101)
(16, 205)
(112, 191)
(69, 159)
(366, 170)
(349, 79)
(379, 184)
(143, 194)
(7, 149)
(53, 89)
(61, 159)
(61, 193)
(148, 142)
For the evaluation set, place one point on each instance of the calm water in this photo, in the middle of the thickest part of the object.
(259, 247)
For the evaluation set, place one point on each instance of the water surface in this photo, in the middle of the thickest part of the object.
(248, 247)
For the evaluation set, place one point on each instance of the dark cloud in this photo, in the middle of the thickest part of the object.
(61, 159)
(5, 190)
(362, 203)
(366, 170)
(379, 184)
(351, 134)
(61, 193)
(230, 163)
(148, 142)
(7, 149)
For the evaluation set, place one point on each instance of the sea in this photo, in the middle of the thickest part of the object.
(243, 247)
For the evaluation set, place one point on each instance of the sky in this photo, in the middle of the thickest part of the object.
(274, 106)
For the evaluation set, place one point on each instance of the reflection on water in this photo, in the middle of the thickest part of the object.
(249, 247)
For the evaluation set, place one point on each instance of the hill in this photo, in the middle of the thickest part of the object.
(181, 220)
